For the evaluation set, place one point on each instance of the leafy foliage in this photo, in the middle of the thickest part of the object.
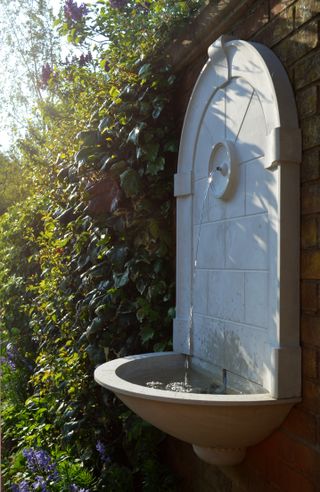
(86, 261)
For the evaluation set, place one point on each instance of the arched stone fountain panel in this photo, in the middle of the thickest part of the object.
(237, 315)
(238, 250)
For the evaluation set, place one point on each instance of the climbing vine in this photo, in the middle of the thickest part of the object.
(89, 273)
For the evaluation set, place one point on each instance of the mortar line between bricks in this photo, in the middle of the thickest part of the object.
(307, 444)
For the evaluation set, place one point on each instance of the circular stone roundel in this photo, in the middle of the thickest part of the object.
(222, 170)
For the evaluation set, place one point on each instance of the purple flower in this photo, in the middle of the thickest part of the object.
(100, 447)
(118, 4)
(46, 74)
(40, 484)
(75, 488)
(84, 59)
(9, 362)
(74, 13)
(107, 66)
(39, 460)
(20, 487)
(11, 355)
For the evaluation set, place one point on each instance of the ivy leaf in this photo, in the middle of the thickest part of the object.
(151, 150)
(89, 137)
(146, 334)
(144, 70)
(154, 228)
(120, 280)
(94, 327)
(104, 124)
(157, 110)
(171, 146)
(130, 182)
(154, 167)
(118, 168)
(84, 155)
(134, 136)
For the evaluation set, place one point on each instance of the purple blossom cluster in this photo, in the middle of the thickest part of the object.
(46, 74)
(21, 487)
(73, 12)
(100, 447)
(9, 362)
(44, 473)
(81, 61)
(75, 488)
(39, 461)
(11, 355)
(85, 59)
(118, 4)
(40, 484)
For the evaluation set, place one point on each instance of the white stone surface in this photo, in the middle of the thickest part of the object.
(246, 243)
(240, 252)
(227, 209)
(200, 291)
(208, 340)
(261, 190)
(239, 95)
(244, 351)
(251, 137)
(226, 295)
(209, 245)
(256, 298)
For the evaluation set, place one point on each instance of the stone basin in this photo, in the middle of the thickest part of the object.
(219, 426)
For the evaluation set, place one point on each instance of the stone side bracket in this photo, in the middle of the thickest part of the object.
(284, 146)
(183, 184)
(286, 362)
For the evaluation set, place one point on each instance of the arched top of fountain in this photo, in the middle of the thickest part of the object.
(238, 236)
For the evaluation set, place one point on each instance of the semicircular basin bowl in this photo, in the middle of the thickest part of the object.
(220, 427)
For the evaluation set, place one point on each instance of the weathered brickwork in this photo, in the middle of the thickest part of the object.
(289, 460)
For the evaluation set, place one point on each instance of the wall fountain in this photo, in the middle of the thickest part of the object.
(235, 368)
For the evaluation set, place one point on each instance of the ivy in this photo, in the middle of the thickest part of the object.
(87, 261)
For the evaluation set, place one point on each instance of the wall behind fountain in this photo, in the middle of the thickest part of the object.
(289, 460)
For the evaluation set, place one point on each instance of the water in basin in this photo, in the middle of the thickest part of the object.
(190, 380)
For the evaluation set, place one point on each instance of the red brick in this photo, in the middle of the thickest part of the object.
(293, 454)
(310, 168)
(307, 70)
(308, 101)
(311, 396)
(290, 480)
(302, 424)
(256, 17)
(298, 44)
(310, 198)
(283, 457)
(305, 10)
(310, 331)
(310, 363)
(276, 30)
(277, 6)
(309, 232)
(311, 132)
(309, 297)
(310, 265)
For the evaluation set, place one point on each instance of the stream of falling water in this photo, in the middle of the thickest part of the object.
(194, 268)
(192, 381)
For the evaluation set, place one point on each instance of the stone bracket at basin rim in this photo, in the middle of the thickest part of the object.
(244, 293)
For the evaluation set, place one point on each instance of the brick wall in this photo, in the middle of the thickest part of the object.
(289, 460)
